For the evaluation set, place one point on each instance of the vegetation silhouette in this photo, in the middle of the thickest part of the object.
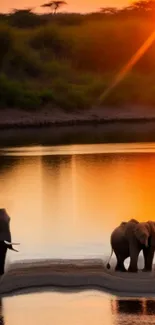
(53, 5)
(68, 60)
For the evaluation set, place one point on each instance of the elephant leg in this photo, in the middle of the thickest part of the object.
(120, 265)
(3, 250)
(148, 259)
(134, 253)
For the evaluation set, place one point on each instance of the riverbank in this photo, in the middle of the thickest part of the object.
(74, 275)
(16, 118)
(131, 124)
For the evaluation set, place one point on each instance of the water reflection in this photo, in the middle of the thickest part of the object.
(87, 308)
(132, 306)
(84, 308)
(65, 203)
(2, 322)
(150, 307)
(133, 311)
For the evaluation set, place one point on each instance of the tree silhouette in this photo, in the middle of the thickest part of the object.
(144, 5)
(53, 5)
(19, 11)
(138, 7)
(141, 6)
(109, 10)
(24, 18)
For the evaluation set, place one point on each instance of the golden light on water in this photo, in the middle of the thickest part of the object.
(130, 64)
(74, 197)
(84, 308)
(56, 308)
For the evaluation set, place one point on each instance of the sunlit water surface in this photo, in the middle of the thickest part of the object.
(86, 308)
(64, 201)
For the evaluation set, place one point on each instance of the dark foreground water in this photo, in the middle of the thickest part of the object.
(87, 308)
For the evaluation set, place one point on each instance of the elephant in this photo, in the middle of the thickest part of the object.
(5, 238)
(128, 239)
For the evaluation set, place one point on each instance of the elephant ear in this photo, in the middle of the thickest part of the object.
(151, 225)
(134, 221)
(123, 223)
(4, 216)
(4, 225)
(140, 232)
(130, 227)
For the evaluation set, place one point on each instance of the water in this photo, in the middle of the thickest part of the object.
(87, 308)
(64, 202)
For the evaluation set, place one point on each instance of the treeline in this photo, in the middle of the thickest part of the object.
(26, 18)
(68, 60)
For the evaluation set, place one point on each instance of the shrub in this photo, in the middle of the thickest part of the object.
(23, 62)
(52, 38)
(6, 42)
(12, 94)
(24, 19)
(69, 65)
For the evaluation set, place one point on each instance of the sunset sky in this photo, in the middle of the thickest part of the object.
(73, 5)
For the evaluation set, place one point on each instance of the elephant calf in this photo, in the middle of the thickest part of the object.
(128, 239)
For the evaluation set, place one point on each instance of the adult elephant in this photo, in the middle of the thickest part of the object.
(128, 239)
(5, 238)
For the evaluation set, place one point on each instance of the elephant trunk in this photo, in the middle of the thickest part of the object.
(108, 264)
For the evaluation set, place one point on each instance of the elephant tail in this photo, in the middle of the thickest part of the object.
(108, 264)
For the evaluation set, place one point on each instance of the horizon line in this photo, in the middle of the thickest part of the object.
(70, 12)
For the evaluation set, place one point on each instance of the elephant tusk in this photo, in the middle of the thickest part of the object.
(9, 243)
(13, 249)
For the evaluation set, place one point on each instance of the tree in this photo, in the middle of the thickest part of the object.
(24, 18)
(141, 6)
(144, 5)
(53, 5)
(109, 10)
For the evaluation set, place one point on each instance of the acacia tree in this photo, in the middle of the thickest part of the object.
(24, 18)
(137, 7)
(141, 6)
(109, 10)
(144, 5)
(53, 5)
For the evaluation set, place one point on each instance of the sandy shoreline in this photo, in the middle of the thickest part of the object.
(74, 275)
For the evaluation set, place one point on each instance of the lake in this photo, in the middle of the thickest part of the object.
(87, 308)
(64, 201)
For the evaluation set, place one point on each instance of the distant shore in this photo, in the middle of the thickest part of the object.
(74, 275)
(56, 127)
(16, 118)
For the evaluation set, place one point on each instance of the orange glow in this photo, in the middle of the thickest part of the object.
(77, 6)
(84, 308)
(56, 308)
(69, 202)
(135, 58)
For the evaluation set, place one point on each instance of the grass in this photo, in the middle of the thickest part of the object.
(69, 61)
